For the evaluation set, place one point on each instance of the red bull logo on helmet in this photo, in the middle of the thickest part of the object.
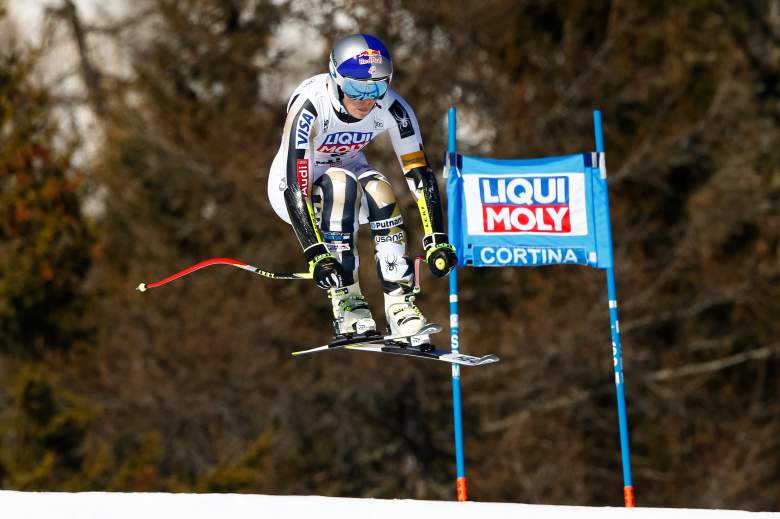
(369, 57)
(526, 204)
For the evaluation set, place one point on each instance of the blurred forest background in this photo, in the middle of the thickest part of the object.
(192, 387)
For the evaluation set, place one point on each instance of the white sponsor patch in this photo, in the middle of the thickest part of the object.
(531, 204)
(337, 247)
(387, 224)
(390, 238)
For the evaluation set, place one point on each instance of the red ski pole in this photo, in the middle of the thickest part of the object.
(224, 261)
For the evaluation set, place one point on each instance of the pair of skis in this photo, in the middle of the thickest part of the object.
(402, 345)
(395, 344)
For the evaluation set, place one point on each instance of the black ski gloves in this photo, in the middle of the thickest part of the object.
(439, 254)
(326, 271)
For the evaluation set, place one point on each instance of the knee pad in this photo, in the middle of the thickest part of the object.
(384, 213)
(378, 191)
(336, 197)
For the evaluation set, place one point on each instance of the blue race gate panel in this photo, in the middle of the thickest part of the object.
(530, 212)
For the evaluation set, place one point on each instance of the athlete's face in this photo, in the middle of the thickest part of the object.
(358, 109)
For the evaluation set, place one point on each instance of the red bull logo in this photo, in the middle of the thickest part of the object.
(369, 57)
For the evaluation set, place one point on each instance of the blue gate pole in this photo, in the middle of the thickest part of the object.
(628, 488)
(460, 463)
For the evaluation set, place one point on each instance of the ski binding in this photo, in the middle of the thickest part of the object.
(341, 342)
(403, 345)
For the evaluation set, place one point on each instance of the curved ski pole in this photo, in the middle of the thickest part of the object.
(224, 261)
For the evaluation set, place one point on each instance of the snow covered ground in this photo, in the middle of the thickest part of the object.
(101, 505)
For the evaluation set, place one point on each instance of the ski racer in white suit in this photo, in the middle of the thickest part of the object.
(322, 185)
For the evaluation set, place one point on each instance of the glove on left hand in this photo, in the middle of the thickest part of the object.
(439, 254)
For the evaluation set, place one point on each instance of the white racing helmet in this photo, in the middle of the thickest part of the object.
(361, 66)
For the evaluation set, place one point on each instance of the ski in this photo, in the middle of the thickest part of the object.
(400, 348)
(342, 342)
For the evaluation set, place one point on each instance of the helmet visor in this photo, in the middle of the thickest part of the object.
(362, 89)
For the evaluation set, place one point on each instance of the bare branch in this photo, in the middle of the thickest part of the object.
(120, 26)
(715, 365)
(557, 403)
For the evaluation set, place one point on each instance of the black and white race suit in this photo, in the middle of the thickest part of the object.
(321, 183)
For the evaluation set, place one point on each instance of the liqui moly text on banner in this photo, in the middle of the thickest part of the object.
(526, 204)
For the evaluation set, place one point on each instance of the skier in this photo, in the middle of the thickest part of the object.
(321, 183)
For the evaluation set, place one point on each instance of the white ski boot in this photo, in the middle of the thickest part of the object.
(404, 318)
(351, 314)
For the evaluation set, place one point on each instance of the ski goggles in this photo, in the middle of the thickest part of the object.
(362, 89)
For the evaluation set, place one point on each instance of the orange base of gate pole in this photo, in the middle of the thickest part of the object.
(462, 494)
(628, 496)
